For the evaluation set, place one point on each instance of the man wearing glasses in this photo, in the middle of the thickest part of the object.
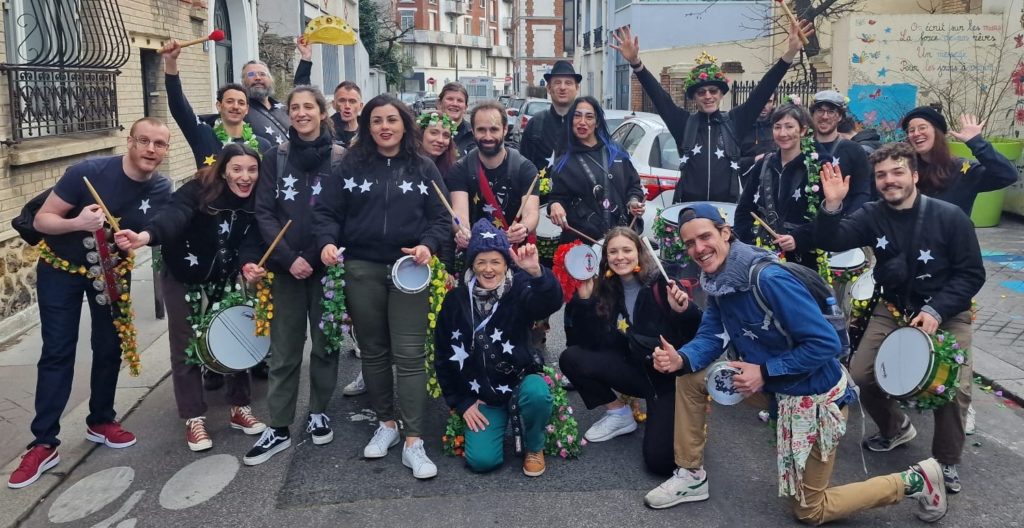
(78, 256)
(267, 116)
(827, 111)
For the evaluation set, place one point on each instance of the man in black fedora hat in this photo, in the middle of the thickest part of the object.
(543, 132)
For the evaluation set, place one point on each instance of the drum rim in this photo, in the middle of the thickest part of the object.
(586, 248)
(919, 385)
(861, 264)
(204, 350)
(398, 283)
(860, 279)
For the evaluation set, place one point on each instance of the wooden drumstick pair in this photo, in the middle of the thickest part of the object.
(793, 20)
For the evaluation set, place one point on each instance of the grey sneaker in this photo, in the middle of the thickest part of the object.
(970, 421)
(415, 458)
(932, 498)
(357, 387)
(879, 443)
(610, 426)
(383, 439)
(951, 478)
(683, 486)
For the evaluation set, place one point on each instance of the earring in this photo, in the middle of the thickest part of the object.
(636, 269)
(608, 274)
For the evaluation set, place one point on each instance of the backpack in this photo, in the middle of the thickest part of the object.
(820, 291)
(23, 222)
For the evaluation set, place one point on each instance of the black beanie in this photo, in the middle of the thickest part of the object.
(927, 113)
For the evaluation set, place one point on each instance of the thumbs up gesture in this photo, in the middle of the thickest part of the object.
(666, 358)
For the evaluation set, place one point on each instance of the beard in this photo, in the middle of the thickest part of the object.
(257, 91)
(491, 150)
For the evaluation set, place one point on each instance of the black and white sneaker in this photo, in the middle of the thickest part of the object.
(317, 426)
(271, 442)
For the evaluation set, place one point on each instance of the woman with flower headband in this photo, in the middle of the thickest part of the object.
(618, 317)
(202, 233)
(381, 206)
(436, 132)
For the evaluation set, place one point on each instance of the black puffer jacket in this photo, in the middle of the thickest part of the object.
(205, 246)
(543, 137)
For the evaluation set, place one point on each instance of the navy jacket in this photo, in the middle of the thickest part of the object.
(991, 171)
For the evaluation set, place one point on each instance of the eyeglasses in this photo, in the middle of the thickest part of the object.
(707, 91)
(145, 141)
(256, 73)
(589, 117)
(823, 110)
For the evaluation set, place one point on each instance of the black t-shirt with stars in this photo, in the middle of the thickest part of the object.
(132, 202)
(508, 188)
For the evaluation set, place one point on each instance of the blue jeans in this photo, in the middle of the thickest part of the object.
(485, 450)
(60, 310)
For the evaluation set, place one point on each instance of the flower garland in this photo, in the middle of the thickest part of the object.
(762, 241)
(334, 319)
(200, 315)
(543, 182)
(263, 311)
(671, 245)
(124, 320)
(435, 118)
(248, 137)
(706, 70)
(562, 434)
(811, 190)
(438, 290)
(947, 351)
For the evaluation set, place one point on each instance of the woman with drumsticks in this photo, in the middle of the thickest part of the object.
(436, 143)
(202, 233)
(380, 207)
(618, 317)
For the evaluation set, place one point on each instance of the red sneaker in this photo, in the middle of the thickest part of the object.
(33, 463)
(242, 418)
(110, 434)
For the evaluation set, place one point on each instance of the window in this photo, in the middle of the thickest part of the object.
(494, 64)
(467, 26)
(483, 4)
(225, 65)
(408, 19)
(452, 26)
(453, 58)
(494, 11)
(664, 152)
(469, 58)
(633, 138)
(433, 55)
(433, 21)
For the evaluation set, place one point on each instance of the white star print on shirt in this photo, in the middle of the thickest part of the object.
(835, 160)
(926, 255)
(696, 150)
(503, 389)
(734, 166)
(796, 194)
(144, 206)
(684, 159)
(507, 347)
(279, 139)
(224, 227)
(422, 188)
(882, 242)
(757, 196)
(748, 333)
(289, 181)
(365, 187)
(489, 210)
(192, 260)
(456, 335)
(551, 159)
(405, 186)
(350, 184)
(278, 106)
(268, 130)
(316, 189)
(724, 336)
(474, 386)
(719, 153)
(488, 235)
(289, 194)
(460, 355)
(496, 336)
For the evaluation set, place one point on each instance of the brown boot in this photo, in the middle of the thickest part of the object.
(533, 464)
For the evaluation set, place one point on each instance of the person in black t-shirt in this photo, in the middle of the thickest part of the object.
(76, 254)
(827, 111)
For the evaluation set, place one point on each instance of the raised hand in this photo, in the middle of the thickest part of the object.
(528, 260)
(305, 50)
(834, 185)
(626, 44)
(794, 44)
(969, 128)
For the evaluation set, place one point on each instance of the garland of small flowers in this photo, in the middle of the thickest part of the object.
(543, 182)
(200, 316)
(811, 190)
(562, 433)
(263, 311)
(706, 70)
(248, 137)
(124, 321)
(947, 350)
(762, 241)
(435, 118)
(671, 245)
(438, 291)
(334, 321)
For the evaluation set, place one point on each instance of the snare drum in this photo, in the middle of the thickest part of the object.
(863, 288)
(667, 227)
(582, 262)
(547, 239)
(907, 366)
(410, 277)
(230, 344)
(848, 264)
(720, 387)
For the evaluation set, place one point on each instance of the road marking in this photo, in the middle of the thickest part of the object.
(122, 512)
(198, 482)
(91, 494)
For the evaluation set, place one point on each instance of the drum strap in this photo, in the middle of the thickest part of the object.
(770, 209)
(908, 253)
(107, 266)
(485, 189)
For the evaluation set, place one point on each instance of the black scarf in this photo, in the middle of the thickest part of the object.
(308, 155)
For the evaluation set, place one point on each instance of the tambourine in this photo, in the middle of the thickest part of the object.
(329, 29)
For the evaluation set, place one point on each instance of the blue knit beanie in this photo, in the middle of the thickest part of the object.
(486, 237)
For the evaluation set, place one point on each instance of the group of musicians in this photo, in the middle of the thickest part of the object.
(358, 187)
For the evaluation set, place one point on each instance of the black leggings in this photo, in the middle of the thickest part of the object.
(598, 374)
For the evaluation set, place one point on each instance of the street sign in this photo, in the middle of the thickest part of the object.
(431, 80)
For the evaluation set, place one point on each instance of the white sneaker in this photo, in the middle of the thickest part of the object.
(357, 387)
(683, 486)
(610, 426)
(415, 458)
(383, 439)
(970, 420)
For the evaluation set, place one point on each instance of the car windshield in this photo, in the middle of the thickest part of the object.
(536, 107)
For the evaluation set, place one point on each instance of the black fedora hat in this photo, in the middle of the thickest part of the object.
(563, 67)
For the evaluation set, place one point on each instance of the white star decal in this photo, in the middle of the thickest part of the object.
(882, 242)
(456, 335)
(684, 159)
(757, 196)
(268, 130)
(503, 389)
(289, 181)
(350, 184)
(460, 355)
(734, 166)
(224, 227)
(696, 150)
(835, 160)
(551, 159)
(488, 235)
(925, 256)
(279, 139)
(748, 333)
(796, 194)
(405, 186)
(278, 106)
(144, 206)
(719, 153)
(724, 336)
(289, 194)
(317, 188)
(422, 188)
(496, 336)
(488, 209)
(199, 121)
(474, 386)
(192, 260)
(507, 347)
(365, 187)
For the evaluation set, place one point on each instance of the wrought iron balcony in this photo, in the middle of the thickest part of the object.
(586, 42)
(599, 37)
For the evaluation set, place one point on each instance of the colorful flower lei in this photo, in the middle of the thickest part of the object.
(197, 296)
(811, 191)
(334, 321)
(671, 245)
(435, 118)
(948, 351)
(264, 307)
(248, 137)
(47, 255)
(543, 182)
(438, 291)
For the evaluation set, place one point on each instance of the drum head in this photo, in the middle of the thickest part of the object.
(851, 259)
(231, 338)
(409, 276)
(581, 262)
(547, 229)
(863, 289)
(720, 386)
(903, 361)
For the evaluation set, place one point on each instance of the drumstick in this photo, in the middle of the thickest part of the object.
(99, 201)
(581, 234)
(767, 227)
(793, 20)
(274, 244)
(529, 191)
(656, 259)
(216, 35)
(446, 204)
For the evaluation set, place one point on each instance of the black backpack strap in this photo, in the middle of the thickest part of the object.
(282, 161)
(767, 187)
(337, 153)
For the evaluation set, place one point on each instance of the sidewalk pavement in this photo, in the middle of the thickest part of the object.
(998, 358)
